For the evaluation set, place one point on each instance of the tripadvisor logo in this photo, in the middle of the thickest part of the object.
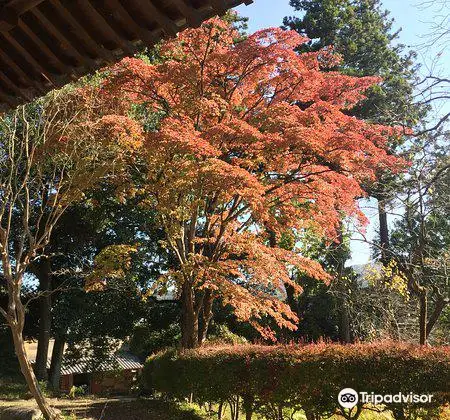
(349, 398)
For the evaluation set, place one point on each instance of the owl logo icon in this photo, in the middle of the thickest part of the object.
(348, 398)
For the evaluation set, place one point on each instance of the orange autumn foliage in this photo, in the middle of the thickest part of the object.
(252, 139)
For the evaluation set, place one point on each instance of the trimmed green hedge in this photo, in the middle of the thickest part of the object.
(306, 376)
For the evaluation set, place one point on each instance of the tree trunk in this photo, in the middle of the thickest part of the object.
(280, 412)
(310, 415)
(220, 411)
(189, 318)
(345, 330)
(384, 231)
(344, 325)
(441, 303)
(232, 406)
(248, 414)
(399, 413)
(248, 403)
(292, 299)
(15, 318)
(236, 412)
(43, 272)
(29, 375)
(423, 300)
(56, 363)
(206, 316)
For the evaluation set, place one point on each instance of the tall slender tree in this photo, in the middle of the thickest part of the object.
(421, 237)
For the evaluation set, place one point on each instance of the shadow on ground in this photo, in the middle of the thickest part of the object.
(129, 410)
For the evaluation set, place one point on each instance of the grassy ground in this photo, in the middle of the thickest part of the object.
(148, 409)
(373, 414)
(13, 388)
(132, 410)
(14, 393)
(116, 409)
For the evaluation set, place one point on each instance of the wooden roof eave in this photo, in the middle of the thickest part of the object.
(45, 44)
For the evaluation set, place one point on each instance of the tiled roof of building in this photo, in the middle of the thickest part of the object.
(122, 360)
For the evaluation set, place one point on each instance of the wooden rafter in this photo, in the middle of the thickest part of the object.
(193, 18)
(46, 43)
(63, 41)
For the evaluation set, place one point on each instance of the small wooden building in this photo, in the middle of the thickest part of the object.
(117, 375)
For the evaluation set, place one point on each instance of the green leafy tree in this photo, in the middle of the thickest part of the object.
(101, 222)
(52, 151)
(361, 31)
(421, 237)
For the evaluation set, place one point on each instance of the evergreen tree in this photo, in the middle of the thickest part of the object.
(361, 31)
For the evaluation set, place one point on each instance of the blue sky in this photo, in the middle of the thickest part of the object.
(414, 20)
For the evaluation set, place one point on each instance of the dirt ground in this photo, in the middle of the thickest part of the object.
(115, 409)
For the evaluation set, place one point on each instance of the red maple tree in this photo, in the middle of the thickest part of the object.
(252, 140)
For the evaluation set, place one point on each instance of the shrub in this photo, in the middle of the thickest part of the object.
(220, 334)
(147, 339)
(306, 376)
(12, 388)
